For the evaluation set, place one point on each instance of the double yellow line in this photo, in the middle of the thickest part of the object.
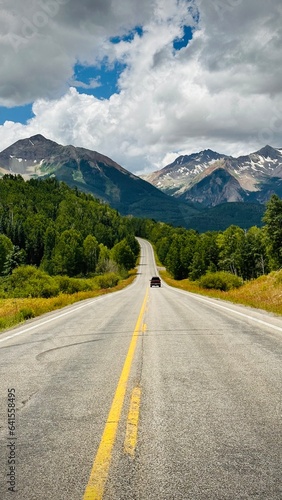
(99, 473)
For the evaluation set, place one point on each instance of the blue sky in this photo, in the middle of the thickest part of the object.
(142, 82)
(100, 80)
(104, 77)
(16, 114)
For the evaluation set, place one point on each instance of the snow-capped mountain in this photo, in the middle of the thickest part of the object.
(210, 178)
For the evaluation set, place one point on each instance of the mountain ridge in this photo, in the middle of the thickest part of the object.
(92, 172)
(247, 177)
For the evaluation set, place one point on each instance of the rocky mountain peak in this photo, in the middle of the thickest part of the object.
(204, 156)
(194, 177)
(37, 138)
(26, 151)
(270, 152)
(209, 154)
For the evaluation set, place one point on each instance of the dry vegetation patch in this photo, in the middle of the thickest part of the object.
(262, 293)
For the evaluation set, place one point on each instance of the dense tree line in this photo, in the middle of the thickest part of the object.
(244, 253)
(60, 230)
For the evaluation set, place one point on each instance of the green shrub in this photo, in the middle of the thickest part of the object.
(3, 323)
(73, 285)
(27, 313)
(220, 280)
(108, 280)
(28, 281)
(278, 278)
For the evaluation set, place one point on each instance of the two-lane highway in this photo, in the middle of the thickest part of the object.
(205, 381)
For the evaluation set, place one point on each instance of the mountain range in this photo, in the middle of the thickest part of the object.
(204, 191)
(209, 178)
(92, 172)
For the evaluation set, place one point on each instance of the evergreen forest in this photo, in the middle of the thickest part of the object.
(246, 254)
(48, 229)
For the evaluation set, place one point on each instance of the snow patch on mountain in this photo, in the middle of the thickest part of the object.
(252, 174)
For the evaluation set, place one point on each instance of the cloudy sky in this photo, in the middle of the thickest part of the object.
(142, 82)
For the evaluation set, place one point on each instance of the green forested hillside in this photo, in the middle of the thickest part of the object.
(247, 254)
(48, 225)
(220, 217)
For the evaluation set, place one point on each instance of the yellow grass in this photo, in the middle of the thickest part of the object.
(262, 293)
(15, 311)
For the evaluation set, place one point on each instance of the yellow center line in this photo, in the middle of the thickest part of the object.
(99, 473)
(132, 422)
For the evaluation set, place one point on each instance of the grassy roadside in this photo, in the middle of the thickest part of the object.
(16, 311)
(262, 293)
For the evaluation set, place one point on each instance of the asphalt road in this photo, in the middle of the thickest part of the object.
(208, 376)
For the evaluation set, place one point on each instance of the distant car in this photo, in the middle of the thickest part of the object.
(155, 281)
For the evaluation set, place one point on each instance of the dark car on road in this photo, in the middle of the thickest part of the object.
(155, 281)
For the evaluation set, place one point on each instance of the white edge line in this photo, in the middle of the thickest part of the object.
(211, 302)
